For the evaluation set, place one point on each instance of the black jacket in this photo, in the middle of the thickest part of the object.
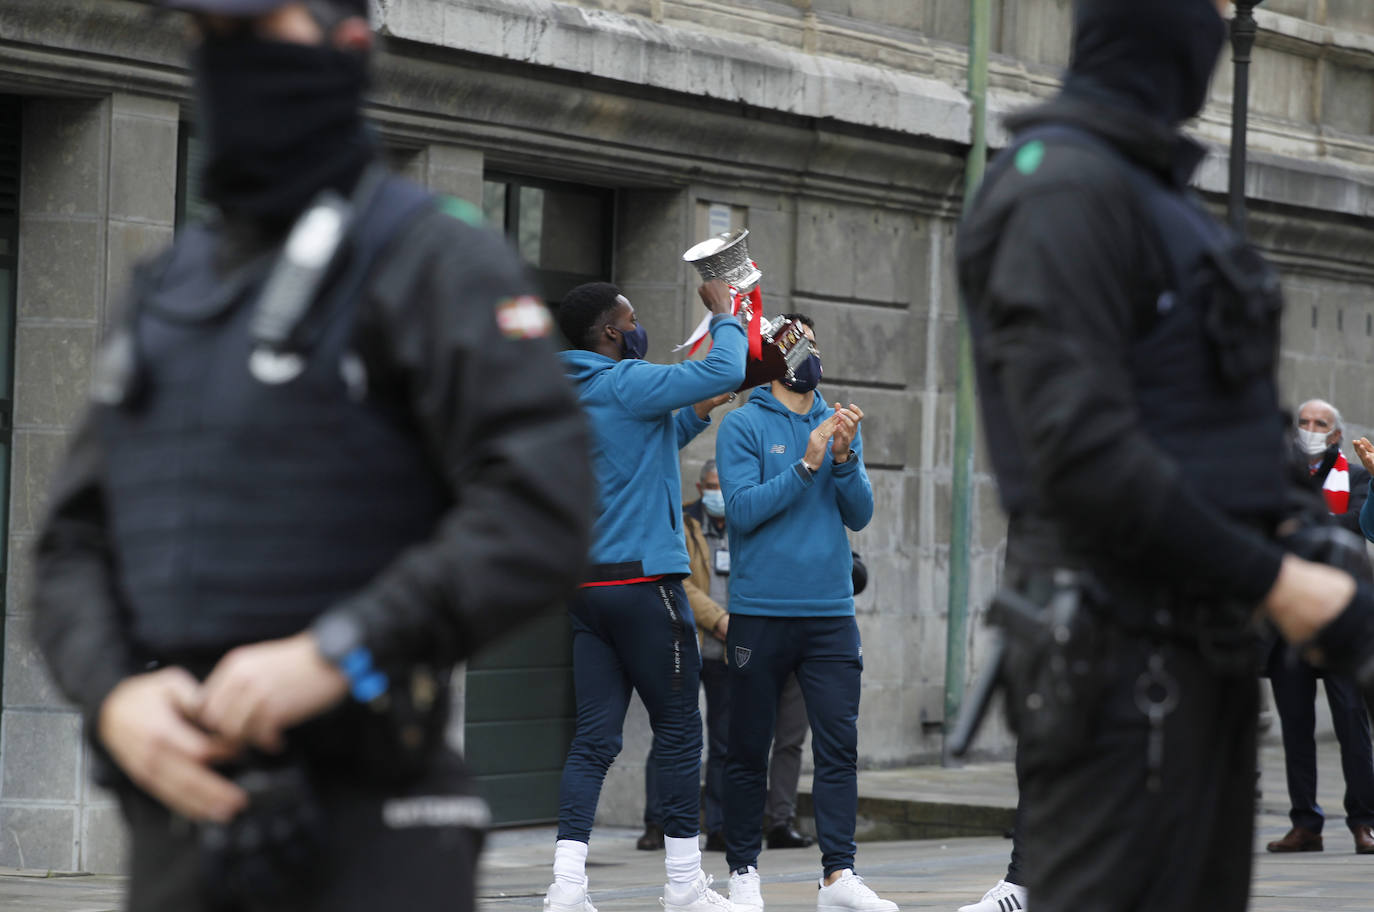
(1060, 268)
(492, 408)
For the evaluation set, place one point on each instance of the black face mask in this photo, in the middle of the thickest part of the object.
(1155, 57)
(280, 123)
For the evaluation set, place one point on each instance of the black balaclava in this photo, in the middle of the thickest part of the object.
(1155, 56)
(280, 122)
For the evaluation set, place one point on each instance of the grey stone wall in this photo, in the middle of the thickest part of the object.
(834, 129)
(97, 194)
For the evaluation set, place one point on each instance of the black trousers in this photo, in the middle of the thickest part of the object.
(411, 848)
(1102, 831)
(1016, 873)
(1295, 691)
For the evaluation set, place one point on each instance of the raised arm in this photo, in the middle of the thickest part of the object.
(650, 390)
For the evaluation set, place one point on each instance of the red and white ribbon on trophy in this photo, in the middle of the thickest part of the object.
(755, 321)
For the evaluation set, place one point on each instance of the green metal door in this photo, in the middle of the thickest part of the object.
(520, 706)
(519, 721)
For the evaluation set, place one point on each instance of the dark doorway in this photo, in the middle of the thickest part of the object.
(520, 707)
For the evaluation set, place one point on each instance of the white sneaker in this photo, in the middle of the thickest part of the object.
(746, 889)
(850, 894)
(1004, 897)
(695, 897)
(563, 898)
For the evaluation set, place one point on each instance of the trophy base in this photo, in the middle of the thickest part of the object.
(784, 343)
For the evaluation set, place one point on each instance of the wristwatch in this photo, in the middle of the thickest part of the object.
(339, 638)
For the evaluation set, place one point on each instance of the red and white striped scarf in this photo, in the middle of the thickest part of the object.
(1336, 487)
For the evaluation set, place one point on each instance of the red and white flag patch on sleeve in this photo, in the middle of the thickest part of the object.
(525, 317)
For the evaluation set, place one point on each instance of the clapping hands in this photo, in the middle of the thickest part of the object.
(835, 433)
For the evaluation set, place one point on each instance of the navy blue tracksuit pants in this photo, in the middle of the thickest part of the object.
(827, 658)
(638, 636)
(716, 682)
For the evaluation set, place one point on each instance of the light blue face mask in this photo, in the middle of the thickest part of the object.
(714, 502)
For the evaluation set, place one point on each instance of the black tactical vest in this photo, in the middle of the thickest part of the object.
(1203, 366)
(242, 510)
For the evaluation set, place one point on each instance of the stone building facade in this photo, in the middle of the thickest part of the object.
(606, 136)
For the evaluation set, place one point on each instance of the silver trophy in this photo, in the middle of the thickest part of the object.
(785, 346)
(726, 257)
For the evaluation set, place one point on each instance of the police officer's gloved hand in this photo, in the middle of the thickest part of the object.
(1320, 540)
(1346, 645)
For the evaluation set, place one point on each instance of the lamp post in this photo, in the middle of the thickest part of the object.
(1243, 30)
(965, 407)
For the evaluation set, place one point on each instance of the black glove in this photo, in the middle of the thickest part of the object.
(1320, 540)
(1347, 643)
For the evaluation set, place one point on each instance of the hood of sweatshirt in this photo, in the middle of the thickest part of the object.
(764, 397)
(581, 365)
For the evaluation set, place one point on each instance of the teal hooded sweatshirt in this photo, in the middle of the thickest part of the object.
(641, 415)
(789, 553)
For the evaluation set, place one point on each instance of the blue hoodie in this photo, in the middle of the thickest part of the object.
(641, 415)
(789, 554)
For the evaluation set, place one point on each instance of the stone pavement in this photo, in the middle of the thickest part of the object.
(930, 874)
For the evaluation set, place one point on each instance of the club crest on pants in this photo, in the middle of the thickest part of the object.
(742, 654)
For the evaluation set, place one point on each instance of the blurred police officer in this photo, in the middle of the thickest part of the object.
(1126, 348)
(331, 454)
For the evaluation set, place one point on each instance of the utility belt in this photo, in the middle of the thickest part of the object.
(1064, 637)
(268, 856)
(1223, 629)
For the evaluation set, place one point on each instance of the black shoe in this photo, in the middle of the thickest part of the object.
(786, 836)
(652, 840)
(715, 842)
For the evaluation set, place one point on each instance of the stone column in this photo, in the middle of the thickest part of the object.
(457, 172)
(97, 193)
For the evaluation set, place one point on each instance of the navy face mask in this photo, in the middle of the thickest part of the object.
(806, 377)
(634, 344)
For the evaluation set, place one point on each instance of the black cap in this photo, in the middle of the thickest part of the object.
(247, 8)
